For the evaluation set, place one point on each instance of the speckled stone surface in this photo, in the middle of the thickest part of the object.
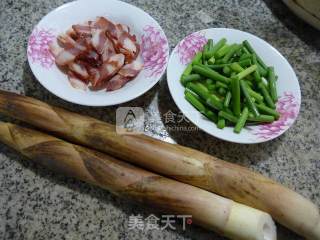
(38, 204)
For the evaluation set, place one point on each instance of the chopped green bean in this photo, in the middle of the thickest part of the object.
(235, 89)
(250, 103)
(236, 67)
(207, 72)
(222, 51)
(195, 102)
(234, 48)
(251, 50)
(256, 74)
(211, 60)
(261, 118)
(222, 91)
(215, 48)
(263, 72)
(188, 70)
(226, 70)
(220, 84)
(197, 58)
(211, 115)
(227, 100)
(241, 121)
(228, 116)
(245, 56)
(266, 95)
(272, 84)
(247, 71)
(190, 78)
(268, 110)
(221, 123)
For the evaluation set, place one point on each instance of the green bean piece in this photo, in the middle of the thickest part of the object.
(210, 44)
(222, 91)
(272, 84)
(197, 58)
(211, 60)
(207, 72)
(205, 50)
(241, 121)
(214, 102)
(266, 95)
(250, 103)
(194, 102)
(218, 45)
(227, 100)
(210, 99)
(214, 48)
(261, 118)
(236, 67)
(222, 51)
(251, 50)
(221, 123)
(249, 83)
(234, 48)
(211, 87)
(222, 85)
(199, 89)
(209, 81)
(233, 74)
(235, 90)
(228, 116)
(245, 63)
(190, 78)
(253, 93)
(263, 72)
(188, 70)
(211, 115)
(226, 70)
(245, 50)
(245, 56)
(256, 74)
(268, 110)
(246, 72)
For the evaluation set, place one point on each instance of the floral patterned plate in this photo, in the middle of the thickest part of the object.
(287, 85)
(154, 50)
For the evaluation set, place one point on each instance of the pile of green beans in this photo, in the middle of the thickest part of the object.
(231, 85)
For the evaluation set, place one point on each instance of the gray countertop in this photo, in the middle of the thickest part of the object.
(38, 204)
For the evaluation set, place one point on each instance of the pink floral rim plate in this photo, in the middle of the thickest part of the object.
(287, 85)
(154, 50)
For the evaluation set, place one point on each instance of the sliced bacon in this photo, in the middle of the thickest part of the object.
(80, 70)
(118, 81)
(71, 33)
(98, 53)
(55, 49)
(76, 82)
(82, 30)
(66, 56)
(132, 69)
(102, 44)
(107, 70)
(67, 42)
(104, 24)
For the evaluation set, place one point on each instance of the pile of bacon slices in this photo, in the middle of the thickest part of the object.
(98, 55)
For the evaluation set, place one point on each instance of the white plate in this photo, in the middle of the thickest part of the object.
(287, 85)
(154, 50)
